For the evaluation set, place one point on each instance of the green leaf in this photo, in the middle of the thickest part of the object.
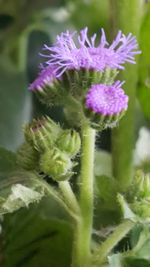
(15, 105)
(144, 66)
(142, 247)
(107, 208)
(38, 237)
(19, 190)
(20, 196)
(135, 233)
(126, 211)
(7, 162)
(120, 260)
(107, 188)
(134, 262)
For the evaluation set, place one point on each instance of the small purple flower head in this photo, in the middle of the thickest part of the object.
(107, 100)
(68, 54)
(46, 77)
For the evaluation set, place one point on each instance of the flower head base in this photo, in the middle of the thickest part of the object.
(106, 103)
(67, 55)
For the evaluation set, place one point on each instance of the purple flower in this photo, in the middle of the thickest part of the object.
(46, 77)
(107, 99)
(83, 53)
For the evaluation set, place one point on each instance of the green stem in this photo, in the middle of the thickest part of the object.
(69, 196)
(121, 231)
(126, 15)
(83, 231)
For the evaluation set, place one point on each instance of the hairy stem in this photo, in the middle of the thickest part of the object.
(69, 196)
(106, 247)
(125, 15)
(83, 231)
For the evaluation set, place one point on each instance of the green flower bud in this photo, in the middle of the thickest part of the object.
(27, 157)
(141, 208)
(69, 142)
(56, 164)
(42, 133)
(142, 185)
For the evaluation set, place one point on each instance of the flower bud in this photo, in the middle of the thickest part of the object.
(105, 105)
(42, 133)
(142, 209)
(142, 185)
(69, 142)
(56, 164)
(27, 157)
(47, 87)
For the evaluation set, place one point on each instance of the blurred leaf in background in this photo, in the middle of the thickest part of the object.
(144, 65)
(15, 105)
(94, 14)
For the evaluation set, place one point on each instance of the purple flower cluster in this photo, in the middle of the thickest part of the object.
(80, 52)
(67, 54)
(107, 99)
(46, 76)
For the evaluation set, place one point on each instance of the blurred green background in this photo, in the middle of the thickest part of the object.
(42, 236)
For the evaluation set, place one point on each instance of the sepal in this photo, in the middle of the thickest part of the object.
(27, 157)
(101, 122)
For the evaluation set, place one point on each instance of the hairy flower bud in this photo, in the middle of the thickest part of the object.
(69, 142)
(141, 208)
(142, 185)
(42, 133)
(56, 164)
(27, 157)
(105, 105)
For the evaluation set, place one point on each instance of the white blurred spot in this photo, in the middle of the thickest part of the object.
(142, 148)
